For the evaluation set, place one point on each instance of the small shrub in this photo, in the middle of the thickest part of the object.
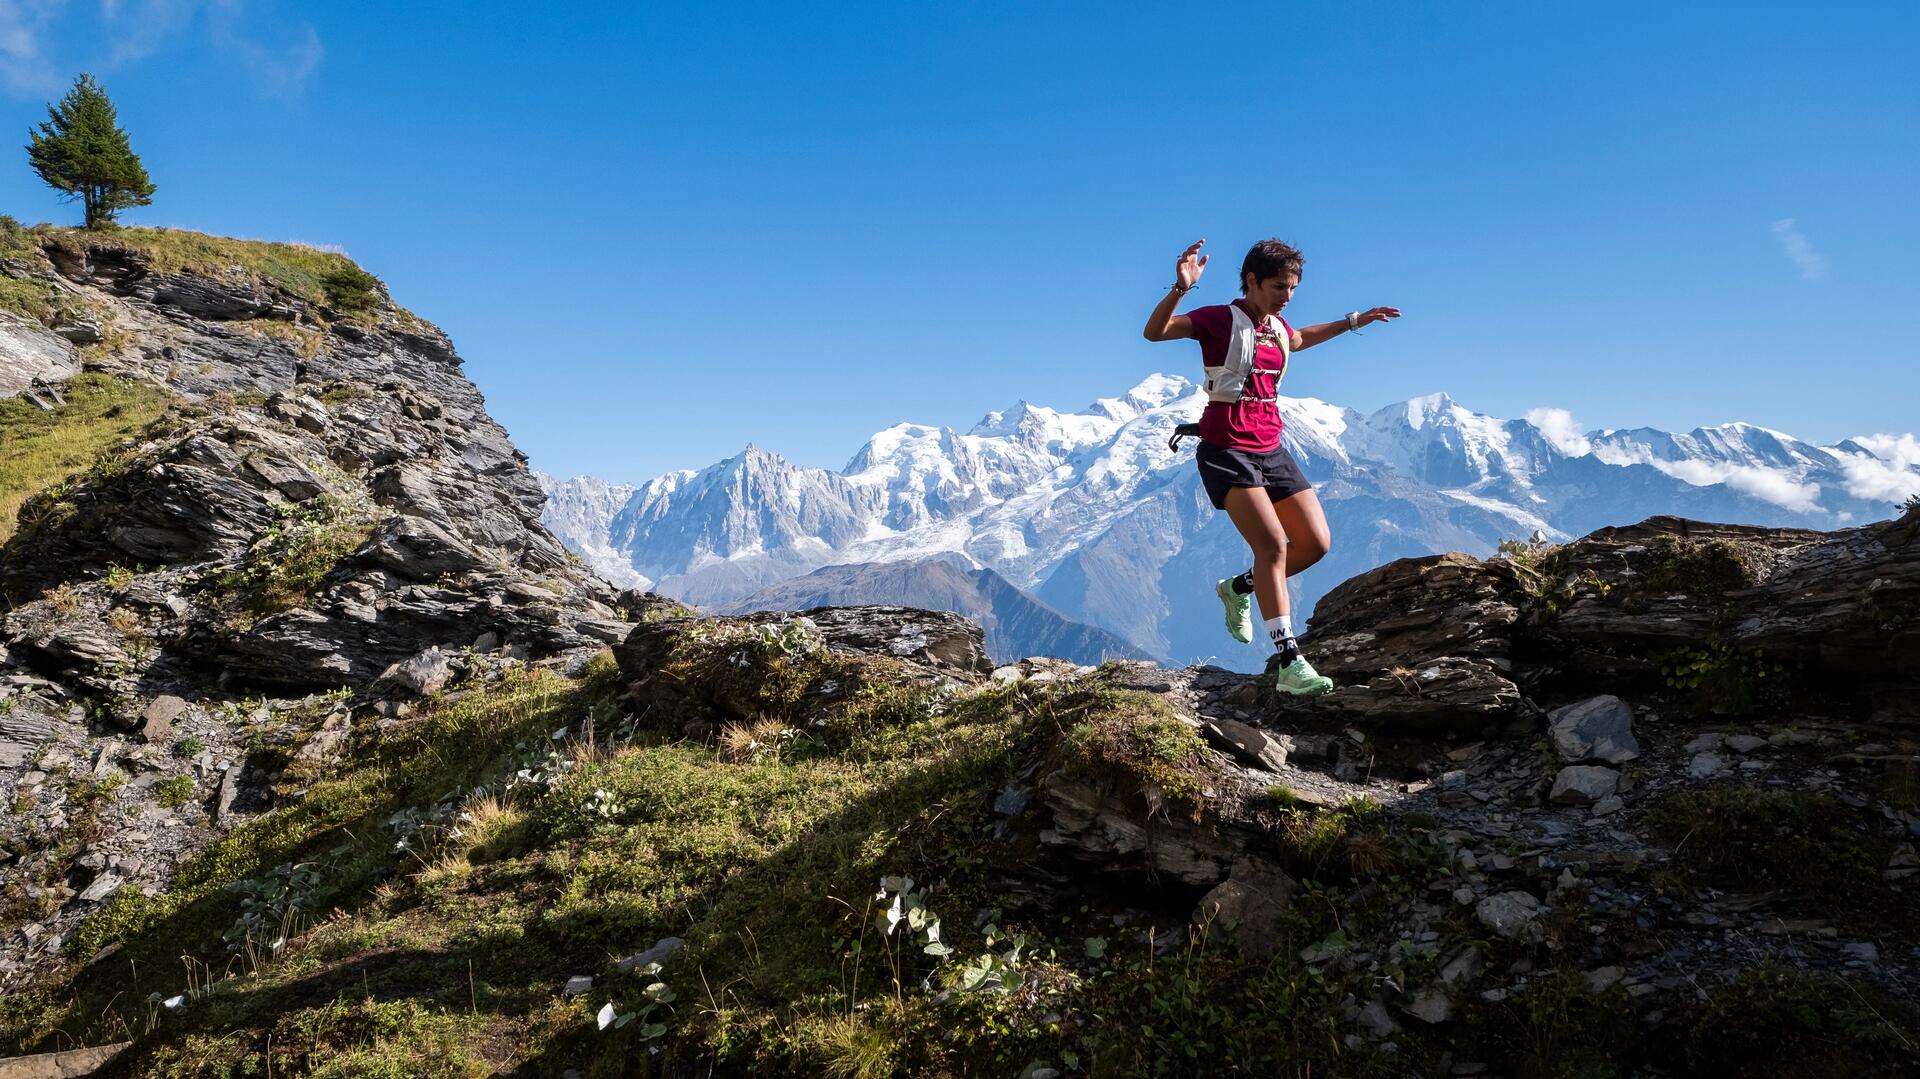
(1726, 680)
(174, 791)
(190, 746)
(1525, 553)
(1698, 567)
(351, 289)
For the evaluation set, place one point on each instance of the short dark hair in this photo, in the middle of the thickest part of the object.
(1270, 258)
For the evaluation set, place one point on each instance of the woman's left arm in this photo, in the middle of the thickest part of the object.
(1309, 336)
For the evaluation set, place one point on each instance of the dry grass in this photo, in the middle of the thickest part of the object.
(43, 448)
(745, 741)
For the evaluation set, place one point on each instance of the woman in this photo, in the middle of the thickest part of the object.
(1245, 347)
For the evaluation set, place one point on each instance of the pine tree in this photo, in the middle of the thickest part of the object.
(81, 151)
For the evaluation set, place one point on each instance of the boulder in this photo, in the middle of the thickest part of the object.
(1583, 784)
(156, 722)
(1447, 694)
(1250, 905)
(944, 642)
(423, 675)
(1598, 728)
(1510, 914)
(1249, 745)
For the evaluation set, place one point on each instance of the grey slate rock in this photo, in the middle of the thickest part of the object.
(1583, 784)
(1598, 728)
(1510, 914)
(1250, 745)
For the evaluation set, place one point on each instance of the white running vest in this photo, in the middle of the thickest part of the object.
(1228, 382)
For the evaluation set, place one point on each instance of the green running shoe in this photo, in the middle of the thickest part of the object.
(1239, 610)
(1300, 679)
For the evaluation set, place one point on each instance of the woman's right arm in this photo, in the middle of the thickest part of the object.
(1163, 324)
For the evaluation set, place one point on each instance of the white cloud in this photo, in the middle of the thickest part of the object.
(1558, 427)
(1888, 472)
(138, 29)
(24, 67)
(281, 69)
(40, 51)
(1813, 265)
(1765, 484)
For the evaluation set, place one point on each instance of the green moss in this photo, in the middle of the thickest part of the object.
(339, 393)
(101, 413)
(420, 764)
(360, 1039)
(1138, 741)
(34, 299)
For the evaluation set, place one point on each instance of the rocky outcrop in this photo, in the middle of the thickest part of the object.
(1567, 820)
(326, 503)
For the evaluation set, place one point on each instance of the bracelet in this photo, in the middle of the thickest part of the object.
(1181, 289)
(1353, 322)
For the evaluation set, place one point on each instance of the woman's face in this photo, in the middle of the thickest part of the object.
(1274, 293)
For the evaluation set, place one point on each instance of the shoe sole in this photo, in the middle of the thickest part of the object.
(1308, 691)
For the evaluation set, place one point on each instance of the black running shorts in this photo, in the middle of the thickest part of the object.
(1222, 470)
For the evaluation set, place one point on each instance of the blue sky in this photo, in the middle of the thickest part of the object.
(658, 233)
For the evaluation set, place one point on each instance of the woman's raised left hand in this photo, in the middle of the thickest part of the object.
(1378, 314)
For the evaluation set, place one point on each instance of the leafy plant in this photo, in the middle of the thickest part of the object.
(272, 909)
(902, 905)
(657, 995)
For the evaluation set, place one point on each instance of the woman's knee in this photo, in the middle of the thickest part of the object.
(1268, 550)
(1311, 548)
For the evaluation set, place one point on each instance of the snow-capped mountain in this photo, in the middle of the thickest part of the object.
(579, 513)
(1095, 516)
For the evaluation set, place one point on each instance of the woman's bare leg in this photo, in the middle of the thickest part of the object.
(1305, 526)
(1252, 512)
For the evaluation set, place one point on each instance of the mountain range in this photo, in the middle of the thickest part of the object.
(1093, 516)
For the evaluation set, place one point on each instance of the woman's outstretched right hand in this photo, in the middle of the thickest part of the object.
(1186, 273)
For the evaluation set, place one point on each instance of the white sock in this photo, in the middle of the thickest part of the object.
(1279, 629)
